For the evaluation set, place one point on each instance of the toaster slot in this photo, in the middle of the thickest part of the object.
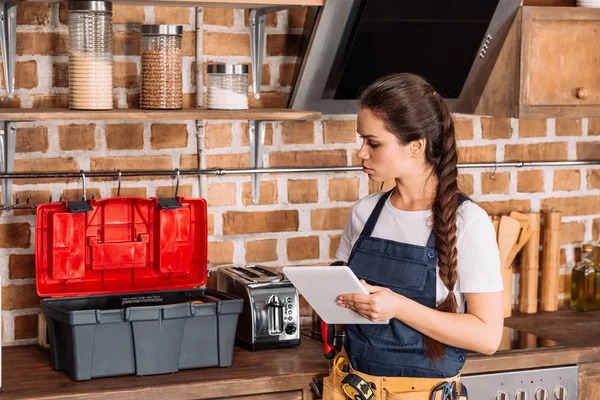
(264, 271)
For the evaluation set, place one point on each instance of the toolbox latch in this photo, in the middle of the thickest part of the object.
(169, 204)
(79, 206)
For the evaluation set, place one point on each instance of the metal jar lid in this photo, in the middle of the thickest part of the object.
(156, 29)
(232, 69)
(92, 5)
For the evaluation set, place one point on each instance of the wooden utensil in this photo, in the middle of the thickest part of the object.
(530, 265)
(550, 261)
(509, 230)
(524, 235)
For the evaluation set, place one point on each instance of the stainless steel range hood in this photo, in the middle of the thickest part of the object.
(453, 44)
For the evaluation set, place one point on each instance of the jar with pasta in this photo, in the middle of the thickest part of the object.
(90, 55)
(161, 86)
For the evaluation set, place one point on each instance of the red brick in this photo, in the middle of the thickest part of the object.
(287, 73)
(261, 250)
(268, 100)
(33, 13)
(77, 194)
(125, 14)
(172, 15)
(15, 102)
(77, 137)
(505, 207)
(218, 16)
(297, 17)
(298, 132)
(41, 43)
(463, 128)
(169, 191)
(588, 150)
(499, 185)
(568, 127)
(326, 219)
(26, 75)
(19, 296)
(474, 154)
(283, 45)
(532, 127)
(129, 192)
(26, 326)
(124, 136)
(220, 252)
(30, 140)
(126, 43)
(50, 101)
(188, 44)
(125, 75)
(131, 163)
(569, 206)
(36, 197)
(21, 266)
(218, 135)
(334, 243)
(594, 127)
(320, 158)
(566, 180)
(572, 232)
(303, 191)
(344, 189)
(226, 44)
(221, 194)
(303, 248)
(339, 131)
(496, 128)
(268, 193)
(62, 164)
(596, 229)
(168, 136)
(536, 152)
(593, 179)
(268, 134)
(240, 222)
(530, 181)
(211, 224)
(228, 161)
(465, 183)
(60, 74)
(270, 19)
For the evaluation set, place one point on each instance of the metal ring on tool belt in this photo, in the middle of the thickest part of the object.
(449, 392)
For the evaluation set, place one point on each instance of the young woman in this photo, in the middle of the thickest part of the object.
(426, 253)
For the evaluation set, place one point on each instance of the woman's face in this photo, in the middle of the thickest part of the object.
(383, 157)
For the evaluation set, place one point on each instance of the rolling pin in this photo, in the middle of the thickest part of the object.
(530, 266)
(550, 261)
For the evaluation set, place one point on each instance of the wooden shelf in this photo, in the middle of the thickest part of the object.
(258, 114)
(208, 3)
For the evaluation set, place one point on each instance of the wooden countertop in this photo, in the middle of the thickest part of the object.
(26, 371)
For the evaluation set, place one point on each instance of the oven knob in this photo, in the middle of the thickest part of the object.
(541, 394)
(290, 329)
(522, 395)
(560, 392)
(502, 396)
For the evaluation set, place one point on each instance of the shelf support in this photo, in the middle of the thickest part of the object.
(8, 136)
(8, 42)
(257, 43)
(256, 132)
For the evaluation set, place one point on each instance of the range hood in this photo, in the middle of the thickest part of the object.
(453, 44)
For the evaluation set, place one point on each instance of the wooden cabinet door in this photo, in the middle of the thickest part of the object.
(560, 58)
(589, 381)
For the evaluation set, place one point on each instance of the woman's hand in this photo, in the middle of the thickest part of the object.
(380, 305)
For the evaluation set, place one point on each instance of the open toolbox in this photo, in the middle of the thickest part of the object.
(121, 276)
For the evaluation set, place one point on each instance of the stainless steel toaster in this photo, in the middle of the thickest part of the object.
(271, 313)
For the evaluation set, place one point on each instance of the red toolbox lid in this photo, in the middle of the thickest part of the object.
(124, 244)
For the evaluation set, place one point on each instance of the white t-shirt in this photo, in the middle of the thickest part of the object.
(478, 257)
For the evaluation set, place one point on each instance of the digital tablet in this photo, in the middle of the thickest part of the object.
(321, 286)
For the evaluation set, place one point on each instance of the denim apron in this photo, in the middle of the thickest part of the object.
(397, 349)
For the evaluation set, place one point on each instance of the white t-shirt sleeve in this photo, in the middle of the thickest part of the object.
(478, 256)
(347, 240)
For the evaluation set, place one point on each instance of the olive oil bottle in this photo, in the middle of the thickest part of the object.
(585, 282)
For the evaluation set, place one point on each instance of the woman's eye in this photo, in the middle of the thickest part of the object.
(373, 145)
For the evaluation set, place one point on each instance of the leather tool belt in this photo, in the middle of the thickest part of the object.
(392, 388)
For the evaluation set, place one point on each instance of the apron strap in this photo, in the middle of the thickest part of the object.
(370, 225)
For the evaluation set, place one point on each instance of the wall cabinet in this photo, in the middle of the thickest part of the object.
(589, 381)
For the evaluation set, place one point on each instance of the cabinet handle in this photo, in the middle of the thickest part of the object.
(581, 93)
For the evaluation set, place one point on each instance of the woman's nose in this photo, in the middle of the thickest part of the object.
(363, 154)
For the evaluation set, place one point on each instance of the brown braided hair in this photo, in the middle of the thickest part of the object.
(412, 110)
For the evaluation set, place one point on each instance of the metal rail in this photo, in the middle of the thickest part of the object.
(252, 171)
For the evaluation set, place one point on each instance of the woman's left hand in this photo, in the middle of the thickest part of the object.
(380, 305)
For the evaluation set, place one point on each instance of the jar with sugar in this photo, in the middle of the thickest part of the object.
(227, 86)
(90, 55)
(161, 86)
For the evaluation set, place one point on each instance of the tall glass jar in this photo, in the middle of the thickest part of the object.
(227, 86)
(161, 67)
(585, 282)
(90, 55)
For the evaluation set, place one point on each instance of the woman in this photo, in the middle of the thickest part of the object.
(423, 251)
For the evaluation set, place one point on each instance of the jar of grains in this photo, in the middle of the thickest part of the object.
(227, 86)
(90, 55)
(161, 67)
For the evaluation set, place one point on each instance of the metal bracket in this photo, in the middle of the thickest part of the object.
(256, 132)
(8, 137)
(257, 43)
(8, 41)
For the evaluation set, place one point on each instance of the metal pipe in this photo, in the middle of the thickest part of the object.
(249, 171)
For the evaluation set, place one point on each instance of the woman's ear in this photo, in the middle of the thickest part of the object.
(417, 147)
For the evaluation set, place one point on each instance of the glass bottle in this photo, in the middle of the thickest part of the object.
(90, 55)
(585, 282)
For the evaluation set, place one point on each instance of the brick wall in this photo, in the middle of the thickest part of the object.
(300, 216)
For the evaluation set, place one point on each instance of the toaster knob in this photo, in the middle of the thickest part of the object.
(290, 329)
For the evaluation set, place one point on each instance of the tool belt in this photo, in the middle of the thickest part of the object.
(345, 382)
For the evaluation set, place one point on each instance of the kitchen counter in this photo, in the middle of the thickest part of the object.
(284, 373)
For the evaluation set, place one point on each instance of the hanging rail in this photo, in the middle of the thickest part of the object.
(244, 171)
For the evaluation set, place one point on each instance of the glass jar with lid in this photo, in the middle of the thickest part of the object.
(90, 55)
(161, 86)
(227, 86)
(585, 282)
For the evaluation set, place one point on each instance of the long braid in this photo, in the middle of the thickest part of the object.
(444, 221)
